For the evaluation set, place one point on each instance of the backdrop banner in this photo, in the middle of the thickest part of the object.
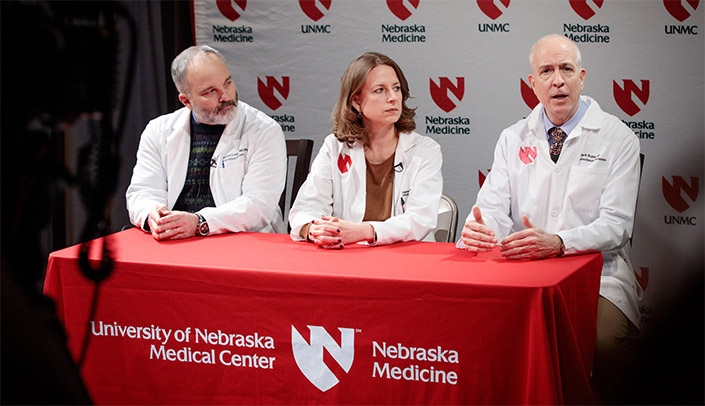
(467, 66)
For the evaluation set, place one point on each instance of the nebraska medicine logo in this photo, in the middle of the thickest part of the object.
(228, 10)
(527, 155)
(624, 95)
(309, 356)
(447, 94)
(586, 8)
(481, 177)
(400, 9)
(527, 94)
(587, 33)
(344, 162)
(272, 92)
(441, 92)
(232, 10)
(266, 89)
(399, 33)
(631, 97)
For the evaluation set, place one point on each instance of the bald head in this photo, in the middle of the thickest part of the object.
(552, 42)
(557, 76)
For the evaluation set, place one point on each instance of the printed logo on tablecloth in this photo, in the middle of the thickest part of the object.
(673, 192)
(309, 356)
(266, 89)
(400, 9)
(440, 93)
(527, 94)
(228, 10)
(623, 95)
(528, 154)
(315, 9)
(586, 8)
(493, 8)
(681, 10)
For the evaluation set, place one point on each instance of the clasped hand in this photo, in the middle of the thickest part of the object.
(530, 243)
(333, 233)
(165, 224)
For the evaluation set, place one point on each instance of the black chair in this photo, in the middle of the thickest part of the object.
(300, 150)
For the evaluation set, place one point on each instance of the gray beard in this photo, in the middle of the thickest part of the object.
(213, 117)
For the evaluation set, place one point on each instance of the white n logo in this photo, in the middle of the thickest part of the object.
(309, 357)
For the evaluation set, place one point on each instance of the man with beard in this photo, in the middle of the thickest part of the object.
(216, 165)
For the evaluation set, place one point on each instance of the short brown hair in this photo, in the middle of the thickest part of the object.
(347, 127)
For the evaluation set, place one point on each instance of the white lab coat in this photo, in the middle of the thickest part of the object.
(246, 183)
(588, 197)
(336, 187)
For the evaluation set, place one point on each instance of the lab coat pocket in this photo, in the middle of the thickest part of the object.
(229, 174)
(584, 189)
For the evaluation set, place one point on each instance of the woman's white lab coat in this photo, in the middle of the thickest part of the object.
(336, 187)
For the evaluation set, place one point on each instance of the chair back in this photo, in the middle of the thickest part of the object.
(447, 219)
(300, 151)
(641, 172)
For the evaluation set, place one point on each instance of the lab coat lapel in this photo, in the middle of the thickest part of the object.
(178, 146)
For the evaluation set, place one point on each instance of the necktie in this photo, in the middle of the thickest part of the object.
(558, 136)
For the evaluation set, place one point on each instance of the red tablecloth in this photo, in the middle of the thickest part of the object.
(258, 319)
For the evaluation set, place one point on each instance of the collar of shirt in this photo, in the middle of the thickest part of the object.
(569, 125)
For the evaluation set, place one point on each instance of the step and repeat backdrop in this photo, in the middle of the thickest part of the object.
(467, 66)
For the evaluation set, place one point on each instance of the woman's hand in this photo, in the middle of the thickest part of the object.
(333, 233)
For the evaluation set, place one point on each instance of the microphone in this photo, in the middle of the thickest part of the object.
(399, 167)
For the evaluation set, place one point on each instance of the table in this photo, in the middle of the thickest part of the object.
(256, 318)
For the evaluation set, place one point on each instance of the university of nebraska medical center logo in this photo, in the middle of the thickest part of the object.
(311, 9)
(677, 8)
(228, 10)
(623, 95)
(491, 8)
(309, 356)
(399, 9)
(266, 90)
(586, 8)
(673, 192)
(439, 92)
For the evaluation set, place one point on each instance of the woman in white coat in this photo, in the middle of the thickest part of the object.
(374, 180)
